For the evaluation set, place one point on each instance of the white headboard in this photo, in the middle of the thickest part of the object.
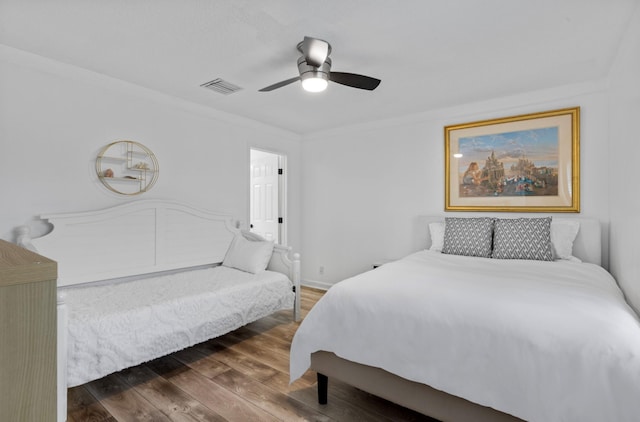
(136, 238)
(587, 246)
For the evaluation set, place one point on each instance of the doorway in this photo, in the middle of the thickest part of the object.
(267, 196)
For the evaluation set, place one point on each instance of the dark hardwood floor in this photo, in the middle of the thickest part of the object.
(242, 376)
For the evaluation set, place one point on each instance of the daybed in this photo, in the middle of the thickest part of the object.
(142, 280)
(466, 338)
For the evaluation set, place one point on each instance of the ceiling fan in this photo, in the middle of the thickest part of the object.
(315, 70)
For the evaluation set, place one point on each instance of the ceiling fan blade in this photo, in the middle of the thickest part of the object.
(315, 51)
(355, 81)
(279, 84)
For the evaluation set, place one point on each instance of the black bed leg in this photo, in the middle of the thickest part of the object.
(323, 386)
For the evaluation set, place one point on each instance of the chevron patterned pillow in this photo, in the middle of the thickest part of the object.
(468, 236)
(523, 238)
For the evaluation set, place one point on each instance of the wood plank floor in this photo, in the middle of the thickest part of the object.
(242, 376)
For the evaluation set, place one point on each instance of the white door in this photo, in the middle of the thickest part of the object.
(264, 199)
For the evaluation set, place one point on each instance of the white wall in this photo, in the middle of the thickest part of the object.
(365, 187)
(624, 163)
(55, 118)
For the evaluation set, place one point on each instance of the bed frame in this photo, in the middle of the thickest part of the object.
(421, 397)
(134, 240)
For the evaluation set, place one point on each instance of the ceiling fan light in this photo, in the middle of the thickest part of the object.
(316, 84)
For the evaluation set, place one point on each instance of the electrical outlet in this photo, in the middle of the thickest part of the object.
(321, 270)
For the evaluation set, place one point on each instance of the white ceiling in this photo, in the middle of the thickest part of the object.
(428, 53)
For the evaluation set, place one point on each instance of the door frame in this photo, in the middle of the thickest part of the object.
(282, 191)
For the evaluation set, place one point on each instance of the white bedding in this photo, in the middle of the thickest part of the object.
(112, 327)
(544, 341)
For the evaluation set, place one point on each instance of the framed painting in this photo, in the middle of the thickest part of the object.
(527, 163)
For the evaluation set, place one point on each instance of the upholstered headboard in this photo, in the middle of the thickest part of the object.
(587, 246)
(136, 238)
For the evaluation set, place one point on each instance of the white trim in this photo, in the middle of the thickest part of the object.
(283, 198)
(322, 285)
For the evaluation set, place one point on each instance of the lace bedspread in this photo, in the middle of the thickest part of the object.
(116, 326)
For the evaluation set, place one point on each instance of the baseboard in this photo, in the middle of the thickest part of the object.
(316, 284)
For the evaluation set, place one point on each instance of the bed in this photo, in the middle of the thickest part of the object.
(147, 278)
(466, 338)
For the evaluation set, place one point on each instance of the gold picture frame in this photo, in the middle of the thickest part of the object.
(525, 163)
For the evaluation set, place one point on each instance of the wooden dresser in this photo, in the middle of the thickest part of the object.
(27, 335)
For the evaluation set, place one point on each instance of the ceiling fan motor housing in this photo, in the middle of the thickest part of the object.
(307, 71)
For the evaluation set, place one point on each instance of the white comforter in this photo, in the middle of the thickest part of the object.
(544, 341)
(116, 326)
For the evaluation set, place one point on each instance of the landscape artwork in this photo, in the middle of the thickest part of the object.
(520, 163)
(524, 163)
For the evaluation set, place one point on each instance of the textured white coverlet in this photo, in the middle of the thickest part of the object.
(116, 326)
(544, 341)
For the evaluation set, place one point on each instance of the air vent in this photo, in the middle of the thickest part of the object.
(221, 86)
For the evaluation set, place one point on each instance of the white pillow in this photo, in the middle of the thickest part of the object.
(437, 236)
(246, 255)
(563, 233)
